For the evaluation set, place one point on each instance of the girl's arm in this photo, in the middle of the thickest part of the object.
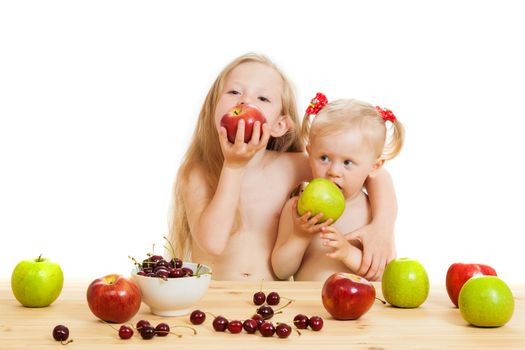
(211, 220)
(293, 238)
(342, 249)
(378, 236)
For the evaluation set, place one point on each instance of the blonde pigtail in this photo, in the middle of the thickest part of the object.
(397, 138)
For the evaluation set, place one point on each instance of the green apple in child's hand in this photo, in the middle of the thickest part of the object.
(322, 196)
(486, 301)
(405, 283)
(37, 282)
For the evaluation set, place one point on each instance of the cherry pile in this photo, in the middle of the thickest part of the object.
(258, 323)
(158, 266)
(61, 333)
(147, 331)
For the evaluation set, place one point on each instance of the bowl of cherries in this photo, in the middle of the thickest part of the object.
(170, 286)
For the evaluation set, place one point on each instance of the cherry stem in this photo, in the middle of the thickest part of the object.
(171, 246)
(299, 333)
(260, 288)
(139, 265)
(184, 326)
(69, 341)
(212, 315)
(381, 300)
(285, 305)
(109, 324)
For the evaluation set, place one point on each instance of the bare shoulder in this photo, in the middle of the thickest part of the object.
(194, 182)
(294, 163)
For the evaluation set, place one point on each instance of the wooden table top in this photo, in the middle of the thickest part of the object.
(434, 325)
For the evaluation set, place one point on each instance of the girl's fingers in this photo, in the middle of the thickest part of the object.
(256, 133)
(239, 135)
(305, 217)
(328, 228)
(327, 222)
(315, 219)
(265, 135)
(223, 138)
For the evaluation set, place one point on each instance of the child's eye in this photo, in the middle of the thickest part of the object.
(348, 163)
(233, 92)
(264, 99)
(324, 158)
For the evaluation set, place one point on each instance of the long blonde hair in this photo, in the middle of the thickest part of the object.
(205, 148)
(342, 114)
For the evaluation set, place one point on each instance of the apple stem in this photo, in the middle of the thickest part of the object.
(381, 300)
(39, 258)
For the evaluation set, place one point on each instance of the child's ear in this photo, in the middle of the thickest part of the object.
(281, 126)
(377, 165)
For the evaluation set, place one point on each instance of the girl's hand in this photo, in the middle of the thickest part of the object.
(378, 250)
(307, 225)
(332, 238)
(238, 154)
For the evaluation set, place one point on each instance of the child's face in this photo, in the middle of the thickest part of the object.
(252, 83)
(344, 158)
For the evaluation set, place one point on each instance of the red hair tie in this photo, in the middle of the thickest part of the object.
(386, 114)
(316, 104)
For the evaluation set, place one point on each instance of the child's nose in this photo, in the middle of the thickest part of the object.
(246, 99)
(334, 170)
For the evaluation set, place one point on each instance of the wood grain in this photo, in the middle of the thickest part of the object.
(434, 325)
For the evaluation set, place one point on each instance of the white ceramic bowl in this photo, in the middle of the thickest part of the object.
(174, 296)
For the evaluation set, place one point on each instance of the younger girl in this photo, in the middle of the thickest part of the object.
(228, 196)
(347, 146)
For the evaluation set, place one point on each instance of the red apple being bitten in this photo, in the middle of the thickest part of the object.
(458, 274)
(249, 113)
(114, 298)
(347, 296)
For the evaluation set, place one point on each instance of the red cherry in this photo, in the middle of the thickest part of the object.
(162, 329)
(250, 325)
(316, 323)
(235, 326)
(273, 298)
(197, 317)
(259, 298)
(125, 332)
(265, 311)
(141, 324)
(220, 324)
(283, 330)
(301, 321)
(147, 332)
(267, 329)
(258, 319)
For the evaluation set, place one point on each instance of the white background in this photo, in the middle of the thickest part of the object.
(98, 101)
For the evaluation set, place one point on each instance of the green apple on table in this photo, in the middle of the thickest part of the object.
(405, 283)
(37, 282)
(486, 301)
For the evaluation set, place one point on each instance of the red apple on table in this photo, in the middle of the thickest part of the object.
(347, 296)
(114, 298)
(247, 112)
(459, 273)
